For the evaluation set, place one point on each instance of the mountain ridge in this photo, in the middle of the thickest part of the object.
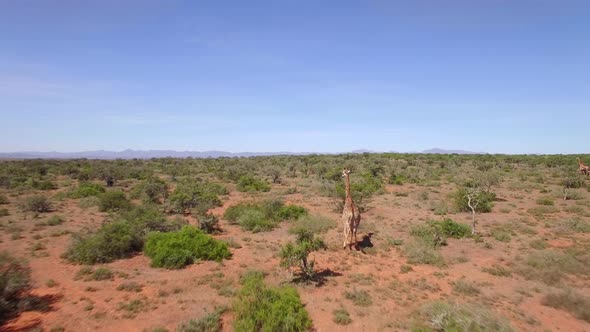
(148, 154)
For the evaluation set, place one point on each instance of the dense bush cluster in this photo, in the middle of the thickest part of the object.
(120, 238)
(264, 215)
(248, 183)
(259, 307)
(175, 250)
(86, 189)
(195, 194)
(113, 200)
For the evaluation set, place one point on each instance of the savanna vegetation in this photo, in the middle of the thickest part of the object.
(446, 243)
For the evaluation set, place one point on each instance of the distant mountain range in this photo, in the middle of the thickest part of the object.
(147, 154)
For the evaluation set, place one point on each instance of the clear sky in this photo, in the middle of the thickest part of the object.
(509, 76)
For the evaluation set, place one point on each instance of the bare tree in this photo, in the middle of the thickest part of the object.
(473, 195)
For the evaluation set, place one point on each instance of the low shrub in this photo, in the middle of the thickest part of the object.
(545, 201)
(15, 283)
(570, 301)
(113, 200)
(3, 212)
(209, 223)
(316, 224)
(421, 252)
(574, 225)
(211, 322)
(88, 202)
(259, 307)
(175, 250)
(86, 189)
(54, 220)
(3, 199)
(248, 183)
(550, 266)
(37, 203)
(43, 185)
(341, 317)
(102, 273)
(130, 286)
(441, 316)
(435, 232)
(360, 298)
(497, 270)
(465, 287)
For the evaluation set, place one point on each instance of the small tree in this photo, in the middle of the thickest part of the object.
(296, 254)
(473, 195)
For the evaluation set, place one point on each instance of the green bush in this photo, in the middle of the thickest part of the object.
(3, 199)
(291, 212)
(151, 190)
(113, 241)
(262, 216)
(120, 238)
(86, 189)
(175, 250)
(15, 283)
(259, 307)
(397, 179)
(296, 254)
(113, 200)
(485, 199)
(37, 203)
(198, 195)
(43, 185)
(248, 183)
(452, 229)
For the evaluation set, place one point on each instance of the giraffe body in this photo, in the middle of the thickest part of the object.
(351, 215)
(584, 169)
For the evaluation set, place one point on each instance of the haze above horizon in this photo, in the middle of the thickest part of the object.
(299, 76)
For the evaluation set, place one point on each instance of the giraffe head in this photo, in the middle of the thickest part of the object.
(345, 172)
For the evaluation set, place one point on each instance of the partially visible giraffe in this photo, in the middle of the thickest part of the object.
(351, 216)
(584, 169)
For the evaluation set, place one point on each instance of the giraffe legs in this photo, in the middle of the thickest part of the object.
(346, 234)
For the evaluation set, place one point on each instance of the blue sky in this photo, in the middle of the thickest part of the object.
(286, 75)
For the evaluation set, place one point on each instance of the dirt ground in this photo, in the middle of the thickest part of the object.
(169, 297)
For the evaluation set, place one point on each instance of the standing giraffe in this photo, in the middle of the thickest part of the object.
(351, 216)
(584, 169)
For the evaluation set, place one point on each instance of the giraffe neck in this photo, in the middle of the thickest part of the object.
(348, 199)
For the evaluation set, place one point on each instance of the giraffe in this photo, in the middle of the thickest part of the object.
(584, 169)
(351, 216)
